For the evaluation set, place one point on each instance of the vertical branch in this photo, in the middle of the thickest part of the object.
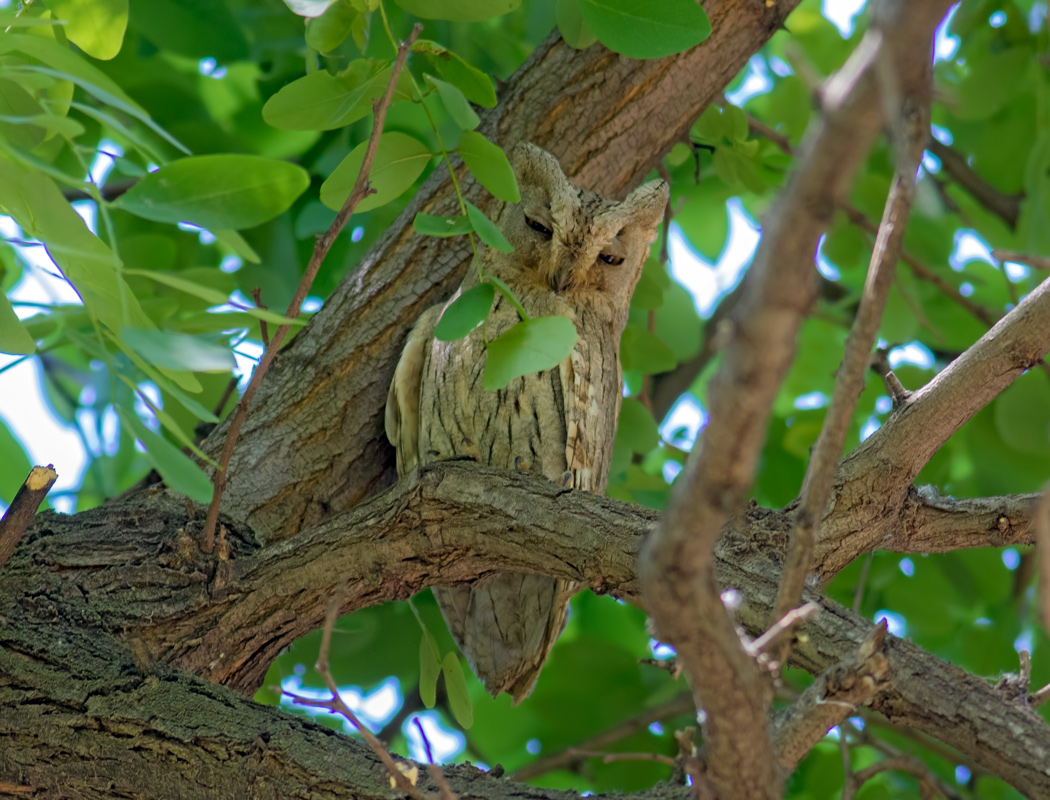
(360, 191)
(909, 130)
(22, 509)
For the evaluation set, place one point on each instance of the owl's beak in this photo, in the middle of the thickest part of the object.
(563, 278)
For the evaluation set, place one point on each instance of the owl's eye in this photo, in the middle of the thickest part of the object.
(607, 258)
(539, 227)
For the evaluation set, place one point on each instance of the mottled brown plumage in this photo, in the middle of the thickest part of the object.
(576, 255)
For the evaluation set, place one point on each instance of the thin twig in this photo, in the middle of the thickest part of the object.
(23, 508)
(858, 594)
(910, 128)
(1036, 699)
(1007, 207)
(790, 620)
(676, 706)
(360, 191)
(264, 329)
(436, 773)
(1035, 262)
(397, 775)
(608, 758)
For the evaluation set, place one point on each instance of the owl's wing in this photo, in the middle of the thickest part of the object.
(578, 393)
(402, 400)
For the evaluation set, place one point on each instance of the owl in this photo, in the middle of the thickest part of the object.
(576, 255)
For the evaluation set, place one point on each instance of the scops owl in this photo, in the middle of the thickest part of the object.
(576, 255)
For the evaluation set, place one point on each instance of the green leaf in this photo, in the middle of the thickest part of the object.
(487, 230)
(178, 351)
(458, 10)
(213, 296)
(41, 211)
(636, 428)
(429, 669)
(490, 166)
(475, 84)
(177, 470)
(14, 464)
(456, 687)
(64, 64)
(191, 405)
(643, 351)
(532, 345)
(432, 225)
(569, 16)
(321, 101)
(400, 160)
(167, 422)
(456, 103)
(643, 29)
(465, 313)
(95, 26)
(328, 31)
(14, 338)
(217, 191)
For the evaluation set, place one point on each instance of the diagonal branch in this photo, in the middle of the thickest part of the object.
(23, 508)
(892, 456)
(676, 567)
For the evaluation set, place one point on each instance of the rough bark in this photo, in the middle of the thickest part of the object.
(136, 600)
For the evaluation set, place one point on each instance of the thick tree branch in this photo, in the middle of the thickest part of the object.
(360, 190)
(676, 568)
(132, 570)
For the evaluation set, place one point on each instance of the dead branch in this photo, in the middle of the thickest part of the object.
(23, 508)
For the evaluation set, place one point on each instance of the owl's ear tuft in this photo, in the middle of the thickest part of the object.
(645, 205)
(535, 167)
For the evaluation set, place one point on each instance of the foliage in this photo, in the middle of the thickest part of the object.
(222, 137)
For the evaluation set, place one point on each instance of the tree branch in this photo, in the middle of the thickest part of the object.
(1006, 206)
(885, 464)
(676, 567)
(910, 126)
(23, 508)
(452, 523)
(836, 694)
